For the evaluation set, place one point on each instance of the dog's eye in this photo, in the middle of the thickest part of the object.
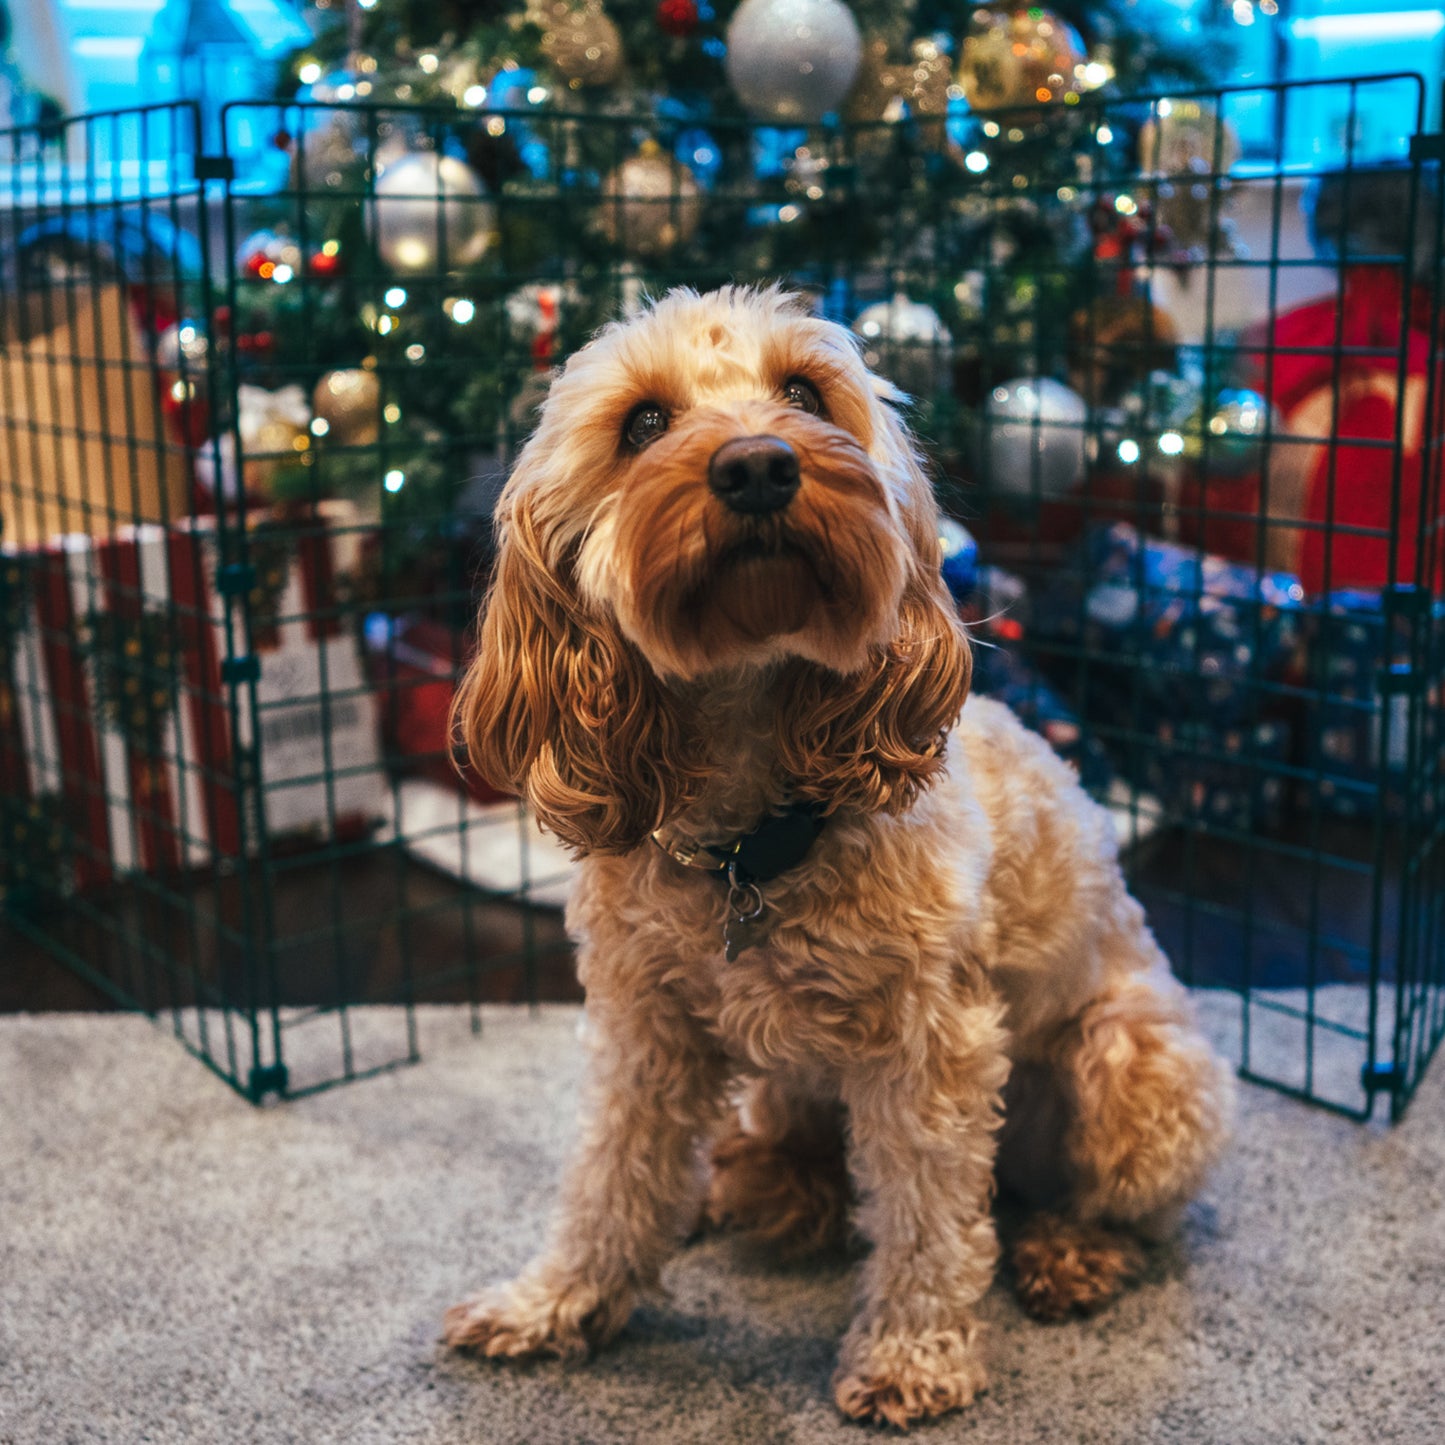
(802, 394)
(645, 423)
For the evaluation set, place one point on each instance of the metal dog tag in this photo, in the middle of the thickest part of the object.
(744, 927)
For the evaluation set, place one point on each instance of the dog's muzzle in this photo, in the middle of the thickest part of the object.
(754, 476)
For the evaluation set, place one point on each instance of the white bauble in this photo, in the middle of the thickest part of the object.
(426, 202)
(1035, 435)
(792, 61)
(907, 342)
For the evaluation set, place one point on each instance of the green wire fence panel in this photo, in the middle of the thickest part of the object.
(1184, 407)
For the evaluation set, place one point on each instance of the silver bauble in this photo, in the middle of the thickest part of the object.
(650, 204)
(1016, 55)
(792, 61)
(431, 214)
(1034, 438)
(907, 342)
(1227, 437)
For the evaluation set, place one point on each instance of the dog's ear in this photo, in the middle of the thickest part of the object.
(558, 706)
(875, 738)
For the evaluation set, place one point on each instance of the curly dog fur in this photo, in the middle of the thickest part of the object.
(653, 658)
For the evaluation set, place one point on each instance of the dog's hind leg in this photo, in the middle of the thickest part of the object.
(1148, 1110)
(1151, 1102)
(780, 1170)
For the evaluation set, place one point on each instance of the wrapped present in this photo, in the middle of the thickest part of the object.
(1361, 677)
(117, 686)
(1171, 630)
(994, 603)
(1000, 672)
(71, 362)
(415, 664)
(1221, 776)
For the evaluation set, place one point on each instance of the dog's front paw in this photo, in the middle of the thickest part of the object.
(534, 1316)
(900, 1379)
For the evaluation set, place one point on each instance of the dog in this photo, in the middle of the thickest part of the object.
(871, 945)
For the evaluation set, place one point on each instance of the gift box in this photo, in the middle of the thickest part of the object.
(117, 683)
(1222, 776)
(71, 363)
(1171, 631)
(993, 603)
(1362, 678)
(414, 664)
(1000, 672)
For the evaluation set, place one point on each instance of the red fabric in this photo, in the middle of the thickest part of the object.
(1351, 346)
(414, 672)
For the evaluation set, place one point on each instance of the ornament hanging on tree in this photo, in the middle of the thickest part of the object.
(792, 61)
(268, 257)
(959, 555)
(327, 151)
(1229, 433)
(1187, 149)
(907, 342)
(650, 204)
(1115, 343)
(579, 40)
(431, 214)
(349, 402)
(884, 87)
(183, 346)
(677, 18)
(1034, 438)
(1019, 55)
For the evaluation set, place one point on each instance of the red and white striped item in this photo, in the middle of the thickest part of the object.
(135, 806)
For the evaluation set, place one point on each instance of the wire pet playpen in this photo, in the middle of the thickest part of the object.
(255, 423)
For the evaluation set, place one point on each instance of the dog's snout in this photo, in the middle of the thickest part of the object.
(754, 475)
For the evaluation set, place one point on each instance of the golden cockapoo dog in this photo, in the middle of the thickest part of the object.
(718, 638)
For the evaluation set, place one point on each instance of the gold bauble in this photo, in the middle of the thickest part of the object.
(1183, 147)
(581, 42)
(1015, 55)
(650, 204)
(884, 86)
(349, 402)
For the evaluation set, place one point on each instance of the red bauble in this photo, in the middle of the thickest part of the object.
(325, 265)
(677, 17)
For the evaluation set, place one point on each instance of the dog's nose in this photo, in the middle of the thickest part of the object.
(754, 475)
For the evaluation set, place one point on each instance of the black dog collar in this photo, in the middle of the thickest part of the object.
(779, 842)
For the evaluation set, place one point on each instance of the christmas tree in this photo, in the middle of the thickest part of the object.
(475, 186)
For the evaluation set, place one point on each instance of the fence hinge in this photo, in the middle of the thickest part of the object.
(241, 669)
(235, 579)
(266, 1079)
(1428, 147)
(1379, 1078)
(215, 168)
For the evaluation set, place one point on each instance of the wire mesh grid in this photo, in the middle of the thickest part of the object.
(267, 416)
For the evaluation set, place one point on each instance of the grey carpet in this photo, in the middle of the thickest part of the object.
(178, 1266)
